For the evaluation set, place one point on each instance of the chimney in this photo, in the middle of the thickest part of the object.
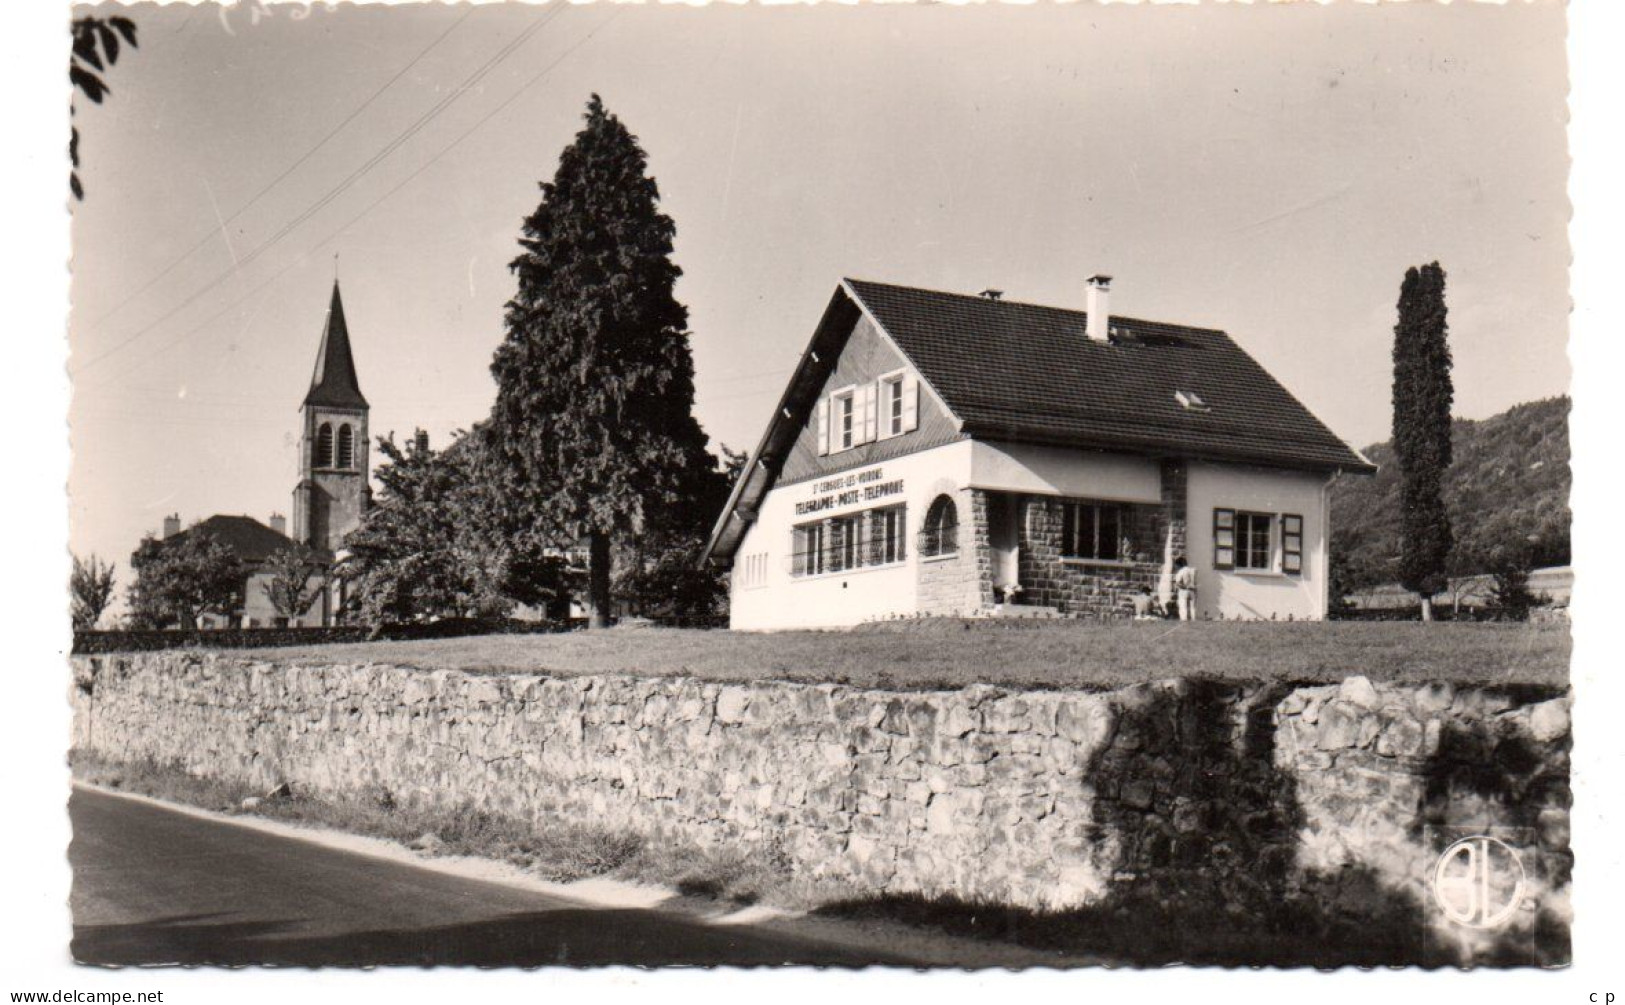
(279, 523)
(420, 441)
(172, 526)
(992, 294)
(1099, 308)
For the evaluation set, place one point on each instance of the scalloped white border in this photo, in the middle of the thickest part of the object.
(34, 726)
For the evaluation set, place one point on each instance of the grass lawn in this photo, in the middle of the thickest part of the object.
(950, 653)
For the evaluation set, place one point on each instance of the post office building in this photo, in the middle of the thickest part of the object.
(946, 454)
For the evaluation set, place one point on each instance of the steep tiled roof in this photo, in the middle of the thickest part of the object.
(1014, 371)
(1022, 373)
(334, 383)
(250, 540)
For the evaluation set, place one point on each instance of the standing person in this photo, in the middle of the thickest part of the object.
(1185, 588)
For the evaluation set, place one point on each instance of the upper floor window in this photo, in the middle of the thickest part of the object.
(324, 446)
(865, 412)
(940, 535)
(346, 452)
(891, 405)
(846, 420)
(1093, 531)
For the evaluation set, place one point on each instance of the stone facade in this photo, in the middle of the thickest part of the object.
(1316, 804)
(962, 584)
(1078, 587)
(1169, 526)
(1083, 588)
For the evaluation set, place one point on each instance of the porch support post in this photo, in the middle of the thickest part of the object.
(1171, 522)
(982, 543)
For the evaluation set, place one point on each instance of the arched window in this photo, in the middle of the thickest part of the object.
(346, 447)
(940, 536)
(324, 447)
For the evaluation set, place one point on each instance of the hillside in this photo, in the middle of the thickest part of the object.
(1509, 482)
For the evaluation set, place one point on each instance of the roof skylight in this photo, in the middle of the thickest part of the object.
(1191, 401)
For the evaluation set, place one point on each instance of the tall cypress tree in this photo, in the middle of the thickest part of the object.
(592, 436)
(1423, 394)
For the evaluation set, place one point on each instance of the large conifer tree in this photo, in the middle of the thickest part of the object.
(592, 435)
(1423, 395)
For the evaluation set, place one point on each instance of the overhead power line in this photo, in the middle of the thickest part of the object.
(209, 234)
(334, 192)
(532, 81)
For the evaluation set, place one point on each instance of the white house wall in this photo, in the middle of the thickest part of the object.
(1078, 474)
(1247, 594)
(765, 594)
(259, 612)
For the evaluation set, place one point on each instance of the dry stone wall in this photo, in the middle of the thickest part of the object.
(1242, 800)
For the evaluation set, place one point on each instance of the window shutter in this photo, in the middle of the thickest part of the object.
(911, 402)
(871, 412)
(1292, 544)
(823, 426)
(1224, 539)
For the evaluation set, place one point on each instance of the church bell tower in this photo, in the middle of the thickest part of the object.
(333, 490)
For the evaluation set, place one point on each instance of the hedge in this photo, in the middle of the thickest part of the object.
(258, 638)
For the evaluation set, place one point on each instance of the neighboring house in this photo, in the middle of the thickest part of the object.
(331, 496)
(252, 543)
(936, 453)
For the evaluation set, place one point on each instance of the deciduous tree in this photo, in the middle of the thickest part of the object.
(592, 434)
(180, 579)
(431, 547)
(296, 581)
(91, 586)
(1423, 395)
(1509, 593)
(95, 48)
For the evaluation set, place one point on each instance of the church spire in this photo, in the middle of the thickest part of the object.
(334, 383)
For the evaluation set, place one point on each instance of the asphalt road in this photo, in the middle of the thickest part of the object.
(152, 885)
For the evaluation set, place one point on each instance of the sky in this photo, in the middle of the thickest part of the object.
(1267, 170)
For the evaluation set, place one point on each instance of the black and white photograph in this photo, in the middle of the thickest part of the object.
(883, 488)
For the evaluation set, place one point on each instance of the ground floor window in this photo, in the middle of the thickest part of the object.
(1095, 531)
(809, 550)
(751, 570)
(843, 543)
(888, 530)
(854, 541)
(1247, 541)
(940, 535)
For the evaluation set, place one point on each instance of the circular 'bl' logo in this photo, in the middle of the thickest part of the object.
(1479, 882)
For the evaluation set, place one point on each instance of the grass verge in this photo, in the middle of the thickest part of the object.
(555, 851)
(952, 653)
